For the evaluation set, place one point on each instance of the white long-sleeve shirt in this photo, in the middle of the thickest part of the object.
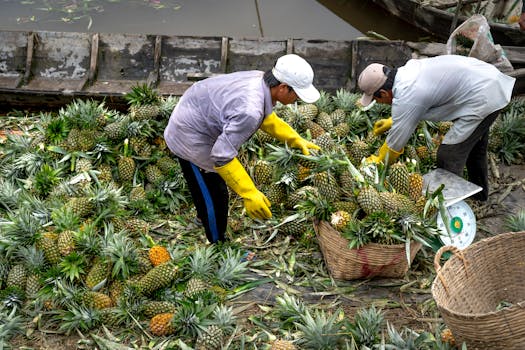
(446, 88)
(215, 116)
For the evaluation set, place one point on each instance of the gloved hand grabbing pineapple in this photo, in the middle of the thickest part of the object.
(255, 202)
(279, 129)
(382, 125)
(385, 153)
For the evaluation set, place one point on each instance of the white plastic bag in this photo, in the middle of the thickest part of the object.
(477, 29)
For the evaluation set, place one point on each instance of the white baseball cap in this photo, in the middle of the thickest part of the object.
(370, 80)
(295, 72)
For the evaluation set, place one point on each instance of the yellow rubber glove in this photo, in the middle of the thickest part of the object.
(382, 125)
(385, 151)
(256, 204)
(279, 129)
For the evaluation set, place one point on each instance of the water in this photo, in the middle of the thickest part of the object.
(325, 19)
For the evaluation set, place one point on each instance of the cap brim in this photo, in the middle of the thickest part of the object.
(366, 99)
(309, 94)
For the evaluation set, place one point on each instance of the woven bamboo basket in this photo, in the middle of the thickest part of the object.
(470, 288)
(371, 260)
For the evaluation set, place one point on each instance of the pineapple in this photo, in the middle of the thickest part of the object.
(66, 242)
(211, 338)
(281, 344)
(167, 165)
(325, 142)
(126, 165)
(300, 195)
(136, 226)
(296, 227)
(262, 172)
(340, 219)
(263, 137)
(152, 308)
(415, 183)
(81, 206)
(99, 272)
(96, 300)
(448, 337)
(327, 186)
(105, 173)
(137, 193)
(117, 129)
(153, 174)
(325, 121)
(308, 110)
(161, 324)
(320, 330)
(358, 150)
(195, 286)
(444, 126)
(395, 204)
(324, 103)
(17, 277)
(158, 255)
(341, 130)
(48, 244)
(315, 129)
(398, 177)
(140, 146)
(369, 200)
(144, 102)
(144, 262)
(158, 277)
(112, 316)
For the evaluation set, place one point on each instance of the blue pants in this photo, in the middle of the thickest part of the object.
(210, 197)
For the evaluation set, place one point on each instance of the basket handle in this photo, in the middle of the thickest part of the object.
(444, 249)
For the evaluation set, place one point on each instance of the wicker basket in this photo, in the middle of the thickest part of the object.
(472, 284)
(371, 260)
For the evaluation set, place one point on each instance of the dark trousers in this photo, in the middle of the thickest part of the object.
(471, 153)
(210, 197)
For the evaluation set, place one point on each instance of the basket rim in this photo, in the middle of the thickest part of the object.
(371, 244)
(513, 308)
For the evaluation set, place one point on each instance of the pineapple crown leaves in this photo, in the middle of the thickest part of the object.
(10, 194)
(315, 206)
(417, 228)
(192, 318)
(345, 100)
(367, 326)
(324, 103)
(108, 201)
(21, 228)
(82, 114)
(47, 178)
(232, 270)
(64, 218)
(408, 339)
(56, 130)
(515, 222)
(76, 318)
(202, 262)
(11, 298)
(320, 330)
(223, 316)
(289, 309)
(142, 94)
(11, 325)
(72, 266)
(32, 258)
(121, 251)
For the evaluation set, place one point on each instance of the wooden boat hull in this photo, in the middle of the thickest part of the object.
(438, 22)
(43, 70)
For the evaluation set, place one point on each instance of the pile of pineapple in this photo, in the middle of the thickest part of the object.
(93, 209)
(84, 191)
(364, 202)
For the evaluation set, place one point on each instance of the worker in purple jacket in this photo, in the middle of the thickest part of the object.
(216, 116)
